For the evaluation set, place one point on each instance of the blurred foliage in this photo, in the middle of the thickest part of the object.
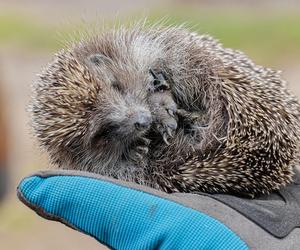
(25, 32)
(268, 37)
(265, 36)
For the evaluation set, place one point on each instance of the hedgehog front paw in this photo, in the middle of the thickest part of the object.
(187, 117)
(166, 126)
(164, 110)
(192, 120)
(139, 150)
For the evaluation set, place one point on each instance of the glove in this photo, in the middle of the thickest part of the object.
(125, 215)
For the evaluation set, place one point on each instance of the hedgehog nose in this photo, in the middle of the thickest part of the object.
(143, 121)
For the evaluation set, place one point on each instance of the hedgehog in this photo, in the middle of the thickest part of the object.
(167, 108)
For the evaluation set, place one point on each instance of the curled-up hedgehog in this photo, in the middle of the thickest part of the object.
(170, 109)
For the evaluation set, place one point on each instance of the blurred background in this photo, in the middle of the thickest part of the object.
(31, 31)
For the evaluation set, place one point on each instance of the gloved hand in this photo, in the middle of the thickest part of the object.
(125, 215)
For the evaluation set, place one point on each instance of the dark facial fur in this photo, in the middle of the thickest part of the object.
(217, 123)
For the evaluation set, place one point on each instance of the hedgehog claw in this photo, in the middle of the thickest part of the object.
(139, 149)
(145, 141)
(167, 132)
(135, 156)
(138, 154)
(163, 108)
(142, 150)
(193, 120)
(187, 116)
(166, 139)
(170, 132)
(171, 112)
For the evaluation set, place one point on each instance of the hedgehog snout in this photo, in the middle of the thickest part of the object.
(139, 119)
(130, 122)
(142, 120)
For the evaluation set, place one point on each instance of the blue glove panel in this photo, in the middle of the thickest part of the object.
(124, 218)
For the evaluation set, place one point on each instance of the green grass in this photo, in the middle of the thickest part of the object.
(25, 32)
(268, 37)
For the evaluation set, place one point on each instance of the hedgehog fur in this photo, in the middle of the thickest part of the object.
(244, 139)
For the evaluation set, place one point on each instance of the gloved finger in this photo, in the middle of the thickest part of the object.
(122, 217)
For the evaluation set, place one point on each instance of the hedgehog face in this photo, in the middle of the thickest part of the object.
(121, 111)
(121, 70)
(92, 103)
(120, 116)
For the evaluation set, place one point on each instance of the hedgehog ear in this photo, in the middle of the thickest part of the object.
(99, 59)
